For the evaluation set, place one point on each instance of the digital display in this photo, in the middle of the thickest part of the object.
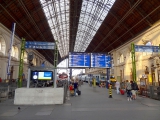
(79, 59)
(41, 75)
(100, 60)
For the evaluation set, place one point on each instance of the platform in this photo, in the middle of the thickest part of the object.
(92, 104)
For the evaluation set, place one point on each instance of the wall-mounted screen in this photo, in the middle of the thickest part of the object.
(100, 60)
(41, 75)
(79, 59)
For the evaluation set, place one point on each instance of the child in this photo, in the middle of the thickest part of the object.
(71, 90)
(70, 87)
(133, 94)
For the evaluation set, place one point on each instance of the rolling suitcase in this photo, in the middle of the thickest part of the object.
(79, 92)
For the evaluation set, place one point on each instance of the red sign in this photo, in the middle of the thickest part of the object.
(63, 76)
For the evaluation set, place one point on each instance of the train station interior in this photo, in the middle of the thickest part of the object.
(109, 41)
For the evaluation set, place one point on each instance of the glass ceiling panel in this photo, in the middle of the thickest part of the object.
(92, 15)
(57, 14)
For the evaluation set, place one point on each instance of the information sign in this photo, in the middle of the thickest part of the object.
(145, 48)
(79, 59)
(100, 60)
(39, 45)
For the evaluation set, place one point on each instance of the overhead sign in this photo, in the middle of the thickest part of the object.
(100, 60)
(145, 48)
(39, 45)
(79, 59)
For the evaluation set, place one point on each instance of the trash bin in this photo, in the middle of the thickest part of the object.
(158, 93)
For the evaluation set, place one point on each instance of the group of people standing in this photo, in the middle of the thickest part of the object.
(130, 88)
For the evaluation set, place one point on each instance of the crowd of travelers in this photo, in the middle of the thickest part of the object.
(130, 88)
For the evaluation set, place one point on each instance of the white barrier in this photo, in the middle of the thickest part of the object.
(38, 96)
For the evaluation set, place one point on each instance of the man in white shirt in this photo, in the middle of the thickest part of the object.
(117, 85)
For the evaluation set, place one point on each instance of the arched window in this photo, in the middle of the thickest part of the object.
(34, 61)
(2, 45)
(121, 59)
(13, 52)
(37, 62)
(16, 52)
(25, 56)
(130, 55)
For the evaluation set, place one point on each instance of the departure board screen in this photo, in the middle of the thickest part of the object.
(100, 60)
(79, 59)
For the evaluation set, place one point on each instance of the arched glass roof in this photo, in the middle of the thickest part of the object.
(93, 13)
(57, 13)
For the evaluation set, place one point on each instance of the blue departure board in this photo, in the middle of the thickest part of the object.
(100, 60)
(79, 59)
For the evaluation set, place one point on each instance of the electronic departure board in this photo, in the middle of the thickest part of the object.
(79, 59)
(100, 60)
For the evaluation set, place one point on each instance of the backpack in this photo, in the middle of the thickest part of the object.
(128, 86)
(134, 86)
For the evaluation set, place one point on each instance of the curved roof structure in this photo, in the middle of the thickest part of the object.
(79, 25)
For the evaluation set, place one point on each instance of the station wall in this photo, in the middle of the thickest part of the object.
(5, 39)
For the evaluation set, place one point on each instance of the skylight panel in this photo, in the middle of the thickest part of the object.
(57, 13)
(93, 13)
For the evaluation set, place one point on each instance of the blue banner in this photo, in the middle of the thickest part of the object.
(39, 45)
(144, 48)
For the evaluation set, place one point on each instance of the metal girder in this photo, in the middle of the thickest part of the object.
(131, 2)
(8, 4)
(116, 25)
(111, 28)
(74, 20)
(20, 26)
(141, 12)
(118, 18)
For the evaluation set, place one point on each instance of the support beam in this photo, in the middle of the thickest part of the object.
(118, 18)
(21, 63)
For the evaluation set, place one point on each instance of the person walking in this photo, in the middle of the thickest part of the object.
(117, 85)
(134, 89)
(75, 87)
(128, 90)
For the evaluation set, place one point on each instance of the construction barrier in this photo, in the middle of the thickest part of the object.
(110, 91)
